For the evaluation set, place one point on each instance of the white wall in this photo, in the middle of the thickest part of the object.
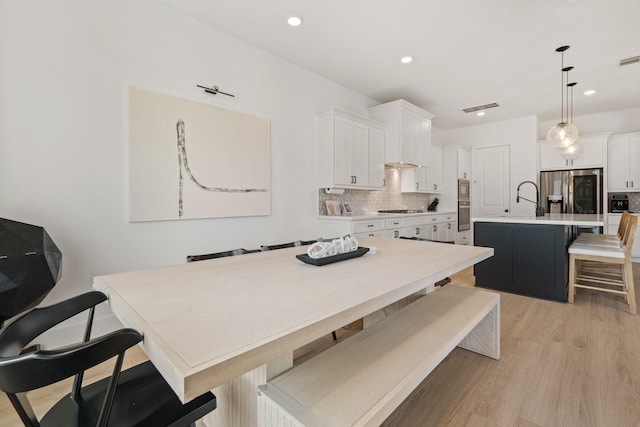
(64, 70)
(520, 135)
(621, 121)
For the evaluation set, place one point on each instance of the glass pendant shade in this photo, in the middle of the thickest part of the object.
(562, 135)
(573, 151)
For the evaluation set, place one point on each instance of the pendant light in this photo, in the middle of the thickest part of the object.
(564, 133)
(576, 149)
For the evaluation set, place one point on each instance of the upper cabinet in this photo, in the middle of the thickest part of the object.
(623, 167)
(350, 150)
(434, 171)
(408, 133)
(592, 157)
(424, 180)
(464, 163)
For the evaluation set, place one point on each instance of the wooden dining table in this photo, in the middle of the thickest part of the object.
(231, 324)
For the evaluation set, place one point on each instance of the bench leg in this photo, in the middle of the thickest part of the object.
(485, 337)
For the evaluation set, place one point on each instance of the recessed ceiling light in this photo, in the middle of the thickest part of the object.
(589, 92)
(294, 21)
(480, 113)
(406, 59)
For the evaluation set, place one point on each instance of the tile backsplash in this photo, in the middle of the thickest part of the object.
(634, 202)
(366, 201)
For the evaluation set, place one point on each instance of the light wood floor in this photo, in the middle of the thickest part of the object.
(561, 365)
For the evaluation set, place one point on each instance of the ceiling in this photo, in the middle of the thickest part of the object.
(466, 52)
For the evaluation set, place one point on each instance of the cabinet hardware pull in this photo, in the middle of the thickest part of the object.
(369, 225)
(626, 183)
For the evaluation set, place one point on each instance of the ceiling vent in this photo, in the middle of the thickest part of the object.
(480, 107)
(629, 61)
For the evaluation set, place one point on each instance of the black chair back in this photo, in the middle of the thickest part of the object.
(233, 252)
(117, 400)
(287, 245)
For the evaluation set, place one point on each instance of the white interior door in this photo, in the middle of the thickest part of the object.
(492, 182)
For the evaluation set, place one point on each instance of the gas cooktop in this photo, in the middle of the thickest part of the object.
(401, 211)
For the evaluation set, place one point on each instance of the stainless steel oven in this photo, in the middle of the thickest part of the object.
(464, 215)
(464, 192)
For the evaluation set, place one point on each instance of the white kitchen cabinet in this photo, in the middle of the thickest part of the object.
(376, 157)
(413, 180)
(424, 180)
(408, 133)
(434, 171)
(432, 226)
(592, 156)
(464, 237)
(464, 163)
(623, 166)
(442, 227)
(350, 151)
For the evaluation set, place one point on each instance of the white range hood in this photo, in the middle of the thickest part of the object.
(407, 133)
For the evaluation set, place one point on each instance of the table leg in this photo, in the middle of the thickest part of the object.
(238, 399)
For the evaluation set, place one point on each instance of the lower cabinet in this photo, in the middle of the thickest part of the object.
(528, 259)
(441, 227)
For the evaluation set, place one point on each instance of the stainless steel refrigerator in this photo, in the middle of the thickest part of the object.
(577, 191)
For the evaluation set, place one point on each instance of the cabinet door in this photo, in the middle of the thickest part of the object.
(550, 157)
(592, 152)
(634, 166)
(618, 164)
(429, 231)
(592, 155)
(376, 157)
(351, 153)
(464, 164)
(434, 171)
(451, 231)
(411, 135)
(413, 180)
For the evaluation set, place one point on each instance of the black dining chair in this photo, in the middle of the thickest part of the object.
(138, 396)
(287, 245)
(233, 252)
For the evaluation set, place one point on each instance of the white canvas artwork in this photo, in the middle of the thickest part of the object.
(192, 160)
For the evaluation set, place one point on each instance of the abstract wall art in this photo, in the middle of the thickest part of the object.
(192, 160)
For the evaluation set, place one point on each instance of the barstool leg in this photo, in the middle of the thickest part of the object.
(628, 280)
(572, 276)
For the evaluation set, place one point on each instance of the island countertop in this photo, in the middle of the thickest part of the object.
(586, 220)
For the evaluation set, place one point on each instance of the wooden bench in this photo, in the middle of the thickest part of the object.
(360, 381)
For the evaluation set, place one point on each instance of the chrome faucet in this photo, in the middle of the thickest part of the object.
(539, 209)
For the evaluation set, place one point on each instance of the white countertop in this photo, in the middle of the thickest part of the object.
(588, 220)
(385, 215)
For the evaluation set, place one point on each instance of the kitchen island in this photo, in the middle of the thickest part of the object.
(530, 253)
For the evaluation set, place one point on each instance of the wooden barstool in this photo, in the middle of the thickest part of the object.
(602, 266)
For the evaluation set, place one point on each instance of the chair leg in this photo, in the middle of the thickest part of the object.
(628, 280)
(572, 276)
